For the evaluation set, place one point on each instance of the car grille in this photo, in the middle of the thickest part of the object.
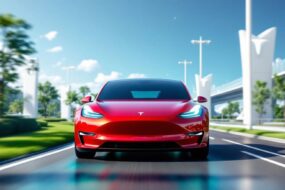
(140, 145)
(140, 128)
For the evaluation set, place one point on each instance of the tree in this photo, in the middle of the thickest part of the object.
(15, 46)
(233, 107)
(16, 106)
(84, 90)
(278, 112)
(260, 94)
(47, 94)
(53, 109)
(72, 98)
(225, 112)
(278, 92)
(11, 94)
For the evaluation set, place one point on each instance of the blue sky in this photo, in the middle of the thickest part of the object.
(104, 39)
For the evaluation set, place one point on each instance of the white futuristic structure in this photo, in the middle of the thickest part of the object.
(260, 68)
(64, 109)
(203, 88)
(203, 85)
(30, 88)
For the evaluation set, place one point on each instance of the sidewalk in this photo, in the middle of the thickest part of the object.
(259, 127)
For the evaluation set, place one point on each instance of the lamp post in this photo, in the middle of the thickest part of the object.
(65, 109)
(68, 69)
(185, 62)
(248, 59)
(200, 42)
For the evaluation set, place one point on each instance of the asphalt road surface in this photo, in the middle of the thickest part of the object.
(234, 162)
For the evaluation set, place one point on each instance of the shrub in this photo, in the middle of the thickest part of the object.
(42, 123)
(52, 119)
(16, 125)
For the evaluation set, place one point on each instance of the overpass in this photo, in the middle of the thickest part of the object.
(233, 91)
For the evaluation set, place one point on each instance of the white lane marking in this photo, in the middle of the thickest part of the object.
(259, 149)
(264, 159)
(212, 138)
(16, 163)
(271, 139)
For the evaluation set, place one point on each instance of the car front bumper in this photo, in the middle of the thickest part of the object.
(176, 135)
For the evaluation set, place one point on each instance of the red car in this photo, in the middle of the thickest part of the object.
(142, 115)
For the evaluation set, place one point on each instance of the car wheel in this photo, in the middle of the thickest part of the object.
(200, 153)
(85, 154)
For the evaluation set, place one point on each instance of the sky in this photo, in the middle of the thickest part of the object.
(99, 40)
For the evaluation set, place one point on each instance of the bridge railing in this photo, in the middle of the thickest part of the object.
(227, 87)
(278, 67)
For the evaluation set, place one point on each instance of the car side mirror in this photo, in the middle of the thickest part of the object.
(201, 99)
(86, 99)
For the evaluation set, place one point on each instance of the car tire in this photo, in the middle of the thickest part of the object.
(200, 153)
(85, 154)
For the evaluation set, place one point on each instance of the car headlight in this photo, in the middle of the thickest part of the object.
(195, 111)
(89, 113)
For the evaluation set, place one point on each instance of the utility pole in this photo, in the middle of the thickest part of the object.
(185, 62)
(201, 42)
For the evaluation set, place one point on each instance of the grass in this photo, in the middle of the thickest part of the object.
(274, 124)
(279, 135)
(55, 133)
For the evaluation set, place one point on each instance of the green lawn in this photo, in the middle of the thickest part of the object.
(280, 135)
(55, 134)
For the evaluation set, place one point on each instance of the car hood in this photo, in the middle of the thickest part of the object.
(141, 109)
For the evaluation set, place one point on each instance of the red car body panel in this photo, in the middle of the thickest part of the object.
(159, 122)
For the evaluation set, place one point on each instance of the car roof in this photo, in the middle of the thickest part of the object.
(144, 80)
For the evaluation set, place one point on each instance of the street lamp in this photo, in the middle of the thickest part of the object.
(248, 76)
(200, 42)
(68, 69)
(185, 62)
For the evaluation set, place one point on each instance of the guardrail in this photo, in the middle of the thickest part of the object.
(278, 67)
(235, 84)
(261, 122)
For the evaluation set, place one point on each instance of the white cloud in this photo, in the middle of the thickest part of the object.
(279, 62)
(87, 65)
(55, 49)
(94, 87)
(219, 108)
(58, 64)
(101, 77)
(136, 75)
(51, 35)
(70, 67)
(278, 66)
(54, 79)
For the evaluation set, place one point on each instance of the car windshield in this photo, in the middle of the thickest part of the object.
(144, 90)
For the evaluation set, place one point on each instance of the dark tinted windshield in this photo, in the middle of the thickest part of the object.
(141, 89)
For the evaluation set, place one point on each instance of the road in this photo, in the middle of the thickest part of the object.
(234, 162)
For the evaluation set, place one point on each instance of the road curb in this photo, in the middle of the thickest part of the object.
(251, 136)
(258, 127)
(58, 147)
